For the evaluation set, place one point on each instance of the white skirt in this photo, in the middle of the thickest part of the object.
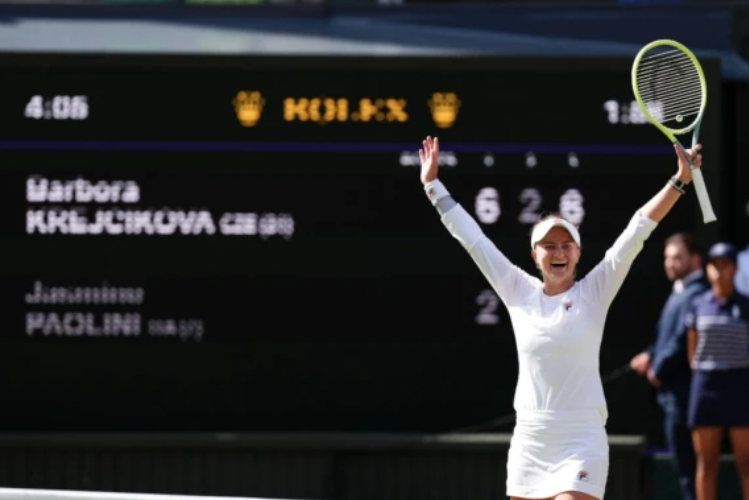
(556, 451)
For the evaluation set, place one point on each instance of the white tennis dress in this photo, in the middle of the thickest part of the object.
(559, 443)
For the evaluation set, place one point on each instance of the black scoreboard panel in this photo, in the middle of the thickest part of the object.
(328, 102)
(245, 245)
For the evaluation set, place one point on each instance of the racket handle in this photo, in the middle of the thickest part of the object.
(704, 199)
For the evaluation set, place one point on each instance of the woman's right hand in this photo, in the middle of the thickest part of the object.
(429, 157)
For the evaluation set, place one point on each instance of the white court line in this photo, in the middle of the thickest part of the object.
(37, 494)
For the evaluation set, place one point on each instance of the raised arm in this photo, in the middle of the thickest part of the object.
(605, 280)
(506, 279)
(660, 204)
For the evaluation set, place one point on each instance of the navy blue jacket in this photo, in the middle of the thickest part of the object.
(668, 356)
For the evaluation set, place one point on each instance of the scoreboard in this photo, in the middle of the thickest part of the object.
(228, 243)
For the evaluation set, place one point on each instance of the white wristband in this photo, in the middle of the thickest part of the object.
(435, 191)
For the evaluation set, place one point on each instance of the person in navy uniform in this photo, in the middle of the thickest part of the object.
(665, 363)
(718, 346)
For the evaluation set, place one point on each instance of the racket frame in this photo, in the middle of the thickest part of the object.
(708, 214)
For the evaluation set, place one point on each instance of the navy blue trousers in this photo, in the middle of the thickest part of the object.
(679, 440)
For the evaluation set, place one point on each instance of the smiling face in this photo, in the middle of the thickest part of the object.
(557, 255)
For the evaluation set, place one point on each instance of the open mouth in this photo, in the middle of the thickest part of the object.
(559, 265)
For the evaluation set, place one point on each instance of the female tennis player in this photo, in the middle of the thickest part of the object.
(559, 449)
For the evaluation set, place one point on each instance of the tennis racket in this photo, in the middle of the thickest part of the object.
(670, 87)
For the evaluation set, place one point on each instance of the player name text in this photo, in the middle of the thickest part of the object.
(77, 324)
(42, 190)
(110, 325)
(157, 223)
(104, 294)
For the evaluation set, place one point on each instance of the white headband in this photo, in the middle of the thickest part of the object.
(542, 229)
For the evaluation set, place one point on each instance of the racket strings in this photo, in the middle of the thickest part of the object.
(670, 86)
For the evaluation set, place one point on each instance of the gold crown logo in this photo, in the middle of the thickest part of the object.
(444, 108)
(249, 107)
